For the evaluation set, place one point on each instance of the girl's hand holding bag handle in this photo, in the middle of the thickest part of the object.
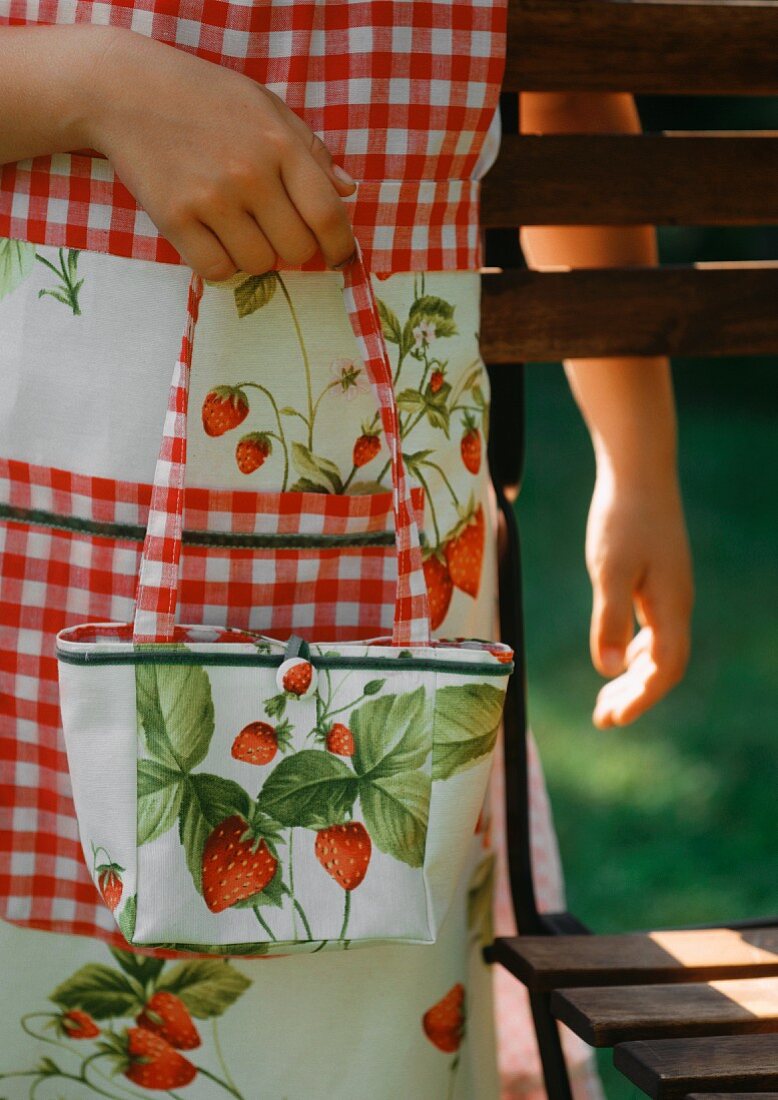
(358, 834)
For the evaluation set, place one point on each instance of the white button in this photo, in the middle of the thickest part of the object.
(296, 676)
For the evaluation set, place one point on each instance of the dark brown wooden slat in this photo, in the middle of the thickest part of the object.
(667, 1069)
(607, 45)
(622, 179)
(563, 962)
(608, 1015)
(726, 309)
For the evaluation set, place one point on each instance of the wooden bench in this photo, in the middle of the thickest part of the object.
(690, 1013)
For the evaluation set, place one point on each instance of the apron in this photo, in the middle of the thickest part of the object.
(90, 317)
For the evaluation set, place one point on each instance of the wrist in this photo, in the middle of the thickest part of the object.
(638, 468)
(92, 85)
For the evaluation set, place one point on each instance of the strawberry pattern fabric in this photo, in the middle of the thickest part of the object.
(280, 406)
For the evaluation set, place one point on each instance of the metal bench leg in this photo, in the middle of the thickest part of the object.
(552, 1056)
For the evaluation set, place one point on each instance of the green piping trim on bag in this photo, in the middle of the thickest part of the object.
(134, 532)
(142, 656)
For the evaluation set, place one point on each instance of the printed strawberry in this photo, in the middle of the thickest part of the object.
(224, 408)
(470, 446)
(444, 1023)
(298, 678)
(76, 1024)
(148, 1061)
(439, 588)
(237, 864)
(503, 654)
(436, 381)
(340, 740)
(366, 447)
(465, 553)
(344, 853)
(109, 883)
(168, 1017)
(257, 743)
(252, 450)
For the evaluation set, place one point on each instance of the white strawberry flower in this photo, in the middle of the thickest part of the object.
(424, 333)
(349, 379)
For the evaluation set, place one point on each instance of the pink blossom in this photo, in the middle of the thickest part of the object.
(351, 379)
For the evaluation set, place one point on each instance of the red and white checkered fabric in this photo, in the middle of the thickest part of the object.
(157, 595)
(70, 547)
(402, 93)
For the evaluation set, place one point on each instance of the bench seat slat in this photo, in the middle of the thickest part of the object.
(562, 962)
(668, 1069)
(606, 1015)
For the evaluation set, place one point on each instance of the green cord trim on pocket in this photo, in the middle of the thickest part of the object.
(269, 660)
(135, 532)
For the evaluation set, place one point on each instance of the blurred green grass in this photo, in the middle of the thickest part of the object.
(671, 820)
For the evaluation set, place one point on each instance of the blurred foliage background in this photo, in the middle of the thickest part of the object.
(671, 820)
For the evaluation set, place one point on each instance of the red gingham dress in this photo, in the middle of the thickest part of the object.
(404, 94)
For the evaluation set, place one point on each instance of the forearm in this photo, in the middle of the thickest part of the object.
(46, 99)
(627, 402)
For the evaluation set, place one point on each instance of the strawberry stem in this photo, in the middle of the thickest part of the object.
(446, 482)
(346, 915)
(291, 872)
(220, 1054)
(306, 363)
(263, 922)
(280, 437)
(218, 1081)
(303, 918)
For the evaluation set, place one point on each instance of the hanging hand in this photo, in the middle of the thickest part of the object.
(638, 559)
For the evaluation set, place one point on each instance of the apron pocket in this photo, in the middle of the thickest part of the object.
(279, 563)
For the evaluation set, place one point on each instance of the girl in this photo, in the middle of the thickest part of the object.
(256, 144)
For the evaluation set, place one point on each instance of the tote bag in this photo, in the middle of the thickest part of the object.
(199, 837)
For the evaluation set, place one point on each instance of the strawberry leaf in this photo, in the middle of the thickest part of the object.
(175, 713)
(315, 469)
(429, 307)
(479, 900)
(389, 323)
(143, 968)
(392, 733)
(255, 292)
(127, 918)
(17, 259)
(99, 990)
(206, 986)
(160, 791)
(311, 789)
(467, 719)
(207, 801)
(396, 811)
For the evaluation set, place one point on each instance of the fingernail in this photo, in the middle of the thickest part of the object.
(343, 176)
(345, 263)
(612, 660)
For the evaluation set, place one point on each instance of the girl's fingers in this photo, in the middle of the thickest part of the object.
(652, 670)
(629, 695)
(245, 242)
(319, 205)
(283, 227)
(202, 250)
(611, 623)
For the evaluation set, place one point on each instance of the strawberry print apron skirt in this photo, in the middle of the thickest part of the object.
(288, 526)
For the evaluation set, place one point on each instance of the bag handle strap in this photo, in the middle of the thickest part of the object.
(157, 592)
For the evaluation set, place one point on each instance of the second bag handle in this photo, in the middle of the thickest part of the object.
(157, 592)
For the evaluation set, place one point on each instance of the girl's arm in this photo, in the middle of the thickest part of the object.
(637, 550)
(230, 175)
